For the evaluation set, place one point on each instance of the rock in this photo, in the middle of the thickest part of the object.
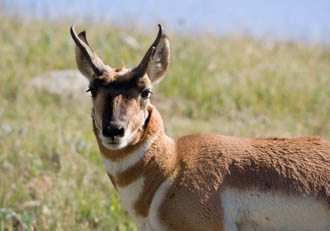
(67, 83)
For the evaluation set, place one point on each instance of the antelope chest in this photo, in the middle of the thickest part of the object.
(129, 195)
(132, 192)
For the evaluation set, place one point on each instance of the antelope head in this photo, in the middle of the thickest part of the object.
(121, 96)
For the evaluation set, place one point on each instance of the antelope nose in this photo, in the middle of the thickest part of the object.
(113, 130)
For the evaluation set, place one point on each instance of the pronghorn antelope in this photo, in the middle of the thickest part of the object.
(198, 182)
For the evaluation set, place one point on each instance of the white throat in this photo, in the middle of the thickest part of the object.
(131, 193)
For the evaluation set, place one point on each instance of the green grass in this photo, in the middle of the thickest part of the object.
(231, 85)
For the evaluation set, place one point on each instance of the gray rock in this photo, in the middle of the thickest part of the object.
(66, 83)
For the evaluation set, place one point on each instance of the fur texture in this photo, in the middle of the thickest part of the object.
(198, 169)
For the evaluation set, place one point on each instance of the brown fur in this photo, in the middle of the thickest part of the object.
(202, 166)
(112, 179)
(209, 163)
(205, 164)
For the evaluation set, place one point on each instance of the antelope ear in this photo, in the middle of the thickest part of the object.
(160, 61)
(88, 62)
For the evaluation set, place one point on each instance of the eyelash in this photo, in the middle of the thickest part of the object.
(146, 94)
(92, 91)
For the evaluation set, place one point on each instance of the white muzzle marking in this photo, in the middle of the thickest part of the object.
(113, 144)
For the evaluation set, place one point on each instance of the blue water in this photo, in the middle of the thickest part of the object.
(282, 19)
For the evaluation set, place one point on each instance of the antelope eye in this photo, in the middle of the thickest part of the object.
(146, 94)
(92, 91)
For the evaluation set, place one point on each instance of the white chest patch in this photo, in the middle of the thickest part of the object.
(130, 193)
(133, 158)
(260, 211)
(154, 222)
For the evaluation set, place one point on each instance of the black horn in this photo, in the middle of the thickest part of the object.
(143, 66)
(81, 42)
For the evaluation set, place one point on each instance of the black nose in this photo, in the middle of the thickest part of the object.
(113, 130)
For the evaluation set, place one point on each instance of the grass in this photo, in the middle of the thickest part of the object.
(51, 175)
